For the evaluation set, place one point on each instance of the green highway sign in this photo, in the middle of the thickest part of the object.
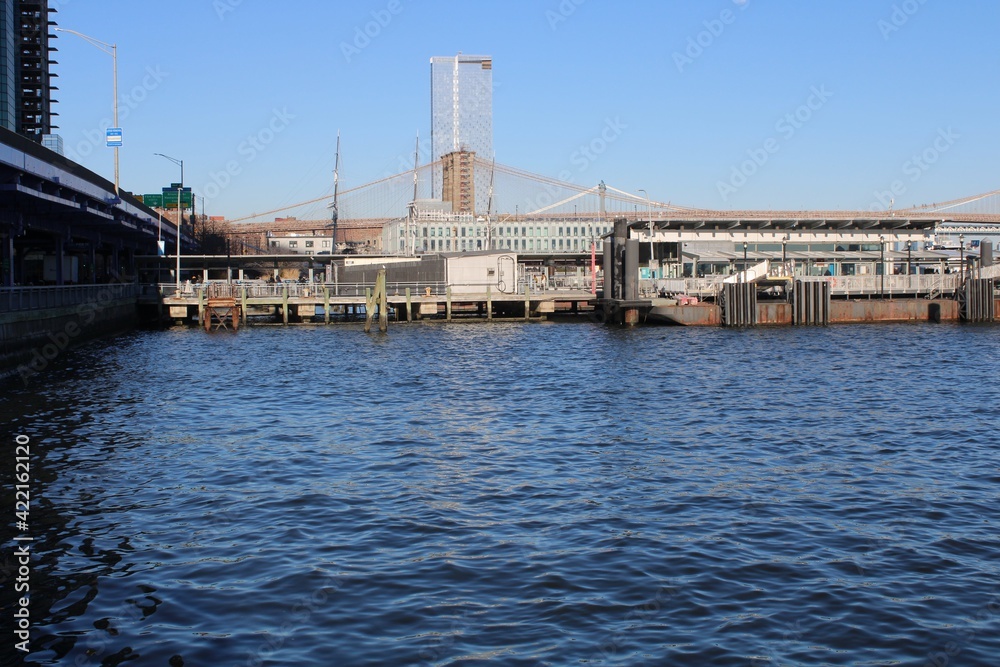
(153, 201)
(170, 198)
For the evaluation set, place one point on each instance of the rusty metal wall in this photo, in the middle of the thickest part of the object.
(774, 312)
(901, 310)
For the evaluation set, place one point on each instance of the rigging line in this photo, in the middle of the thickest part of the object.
(342, 193)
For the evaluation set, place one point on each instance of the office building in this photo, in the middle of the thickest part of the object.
(462, 117)
(25, 77)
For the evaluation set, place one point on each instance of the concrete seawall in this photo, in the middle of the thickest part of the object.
(31, 340)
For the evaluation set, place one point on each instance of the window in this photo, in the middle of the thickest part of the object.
(293, 244)
(309, 244)
(274, 244)
(432, 232)
(326, 244)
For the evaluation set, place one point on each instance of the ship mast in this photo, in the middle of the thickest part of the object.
(489, 208)
(335, 215)
(411, 217)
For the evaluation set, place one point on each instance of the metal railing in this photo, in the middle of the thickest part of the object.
(294, 290)
(932, 284)
(874, 285)
(20, 299)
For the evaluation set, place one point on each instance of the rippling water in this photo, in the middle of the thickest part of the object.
(517, 495)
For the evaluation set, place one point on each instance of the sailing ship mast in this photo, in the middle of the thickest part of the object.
(335, 215)
(489, 208)
(410, 245)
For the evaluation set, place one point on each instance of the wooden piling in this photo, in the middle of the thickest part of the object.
(447, 304)
(378, 299)
(489, 303)
(409, 306)
(243, 303)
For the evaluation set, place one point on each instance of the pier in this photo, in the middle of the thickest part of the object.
(290, 303)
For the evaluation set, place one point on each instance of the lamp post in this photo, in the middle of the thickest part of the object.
(909, 257)
(180, 192)
(649, 207)
(784, 254)
(961, 255)
(111, 50)
(881, 245)
(745, 276)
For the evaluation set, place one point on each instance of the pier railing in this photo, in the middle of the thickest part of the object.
(18, 299)
(295, 290)
(926, 284)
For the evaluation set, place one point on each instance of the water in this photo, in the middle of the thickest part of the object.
(517, 495)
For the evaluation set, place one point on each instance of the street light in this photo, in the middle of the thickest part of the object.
(745, 276)
(961, 254)
(784, 254)
(111, 50)
(649, 206)
(180, 192)
(881, 245)
(909, 256)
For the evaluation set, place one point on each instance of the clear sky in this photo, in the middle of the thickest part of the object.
(727, 104)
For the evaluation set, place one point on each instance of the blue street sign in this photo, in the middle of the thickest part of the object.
(114, 136)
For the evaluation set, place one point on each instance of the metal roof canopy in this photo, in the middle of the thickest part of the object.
(891, 256)
(891, 225)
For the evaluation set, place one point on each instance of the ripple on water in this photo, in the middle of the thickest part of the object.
(517, 494)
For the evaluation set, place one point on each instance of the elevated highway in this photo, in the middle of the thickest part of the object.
(61, 223)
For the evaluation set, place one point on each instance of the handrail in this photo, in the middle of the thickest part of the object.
(258, 289)
(21, 299)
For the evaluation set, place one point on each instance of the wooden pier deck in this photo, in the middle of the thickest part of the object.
(297, 302)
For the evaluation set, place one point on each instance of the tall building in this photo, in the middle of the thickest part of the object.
(459, 187)
(462, 115)
(8, 66)
(25, 77)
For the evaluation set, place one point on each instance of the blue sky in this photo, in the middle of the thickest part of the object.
(788, 104)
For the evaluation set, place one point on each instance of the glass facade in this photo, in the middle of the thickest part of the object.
(462, 115)
(8, 67)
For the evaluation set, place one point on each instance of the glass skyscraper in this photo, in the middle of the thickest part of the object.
(462, 115)
(25, 81)
(8, 67)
